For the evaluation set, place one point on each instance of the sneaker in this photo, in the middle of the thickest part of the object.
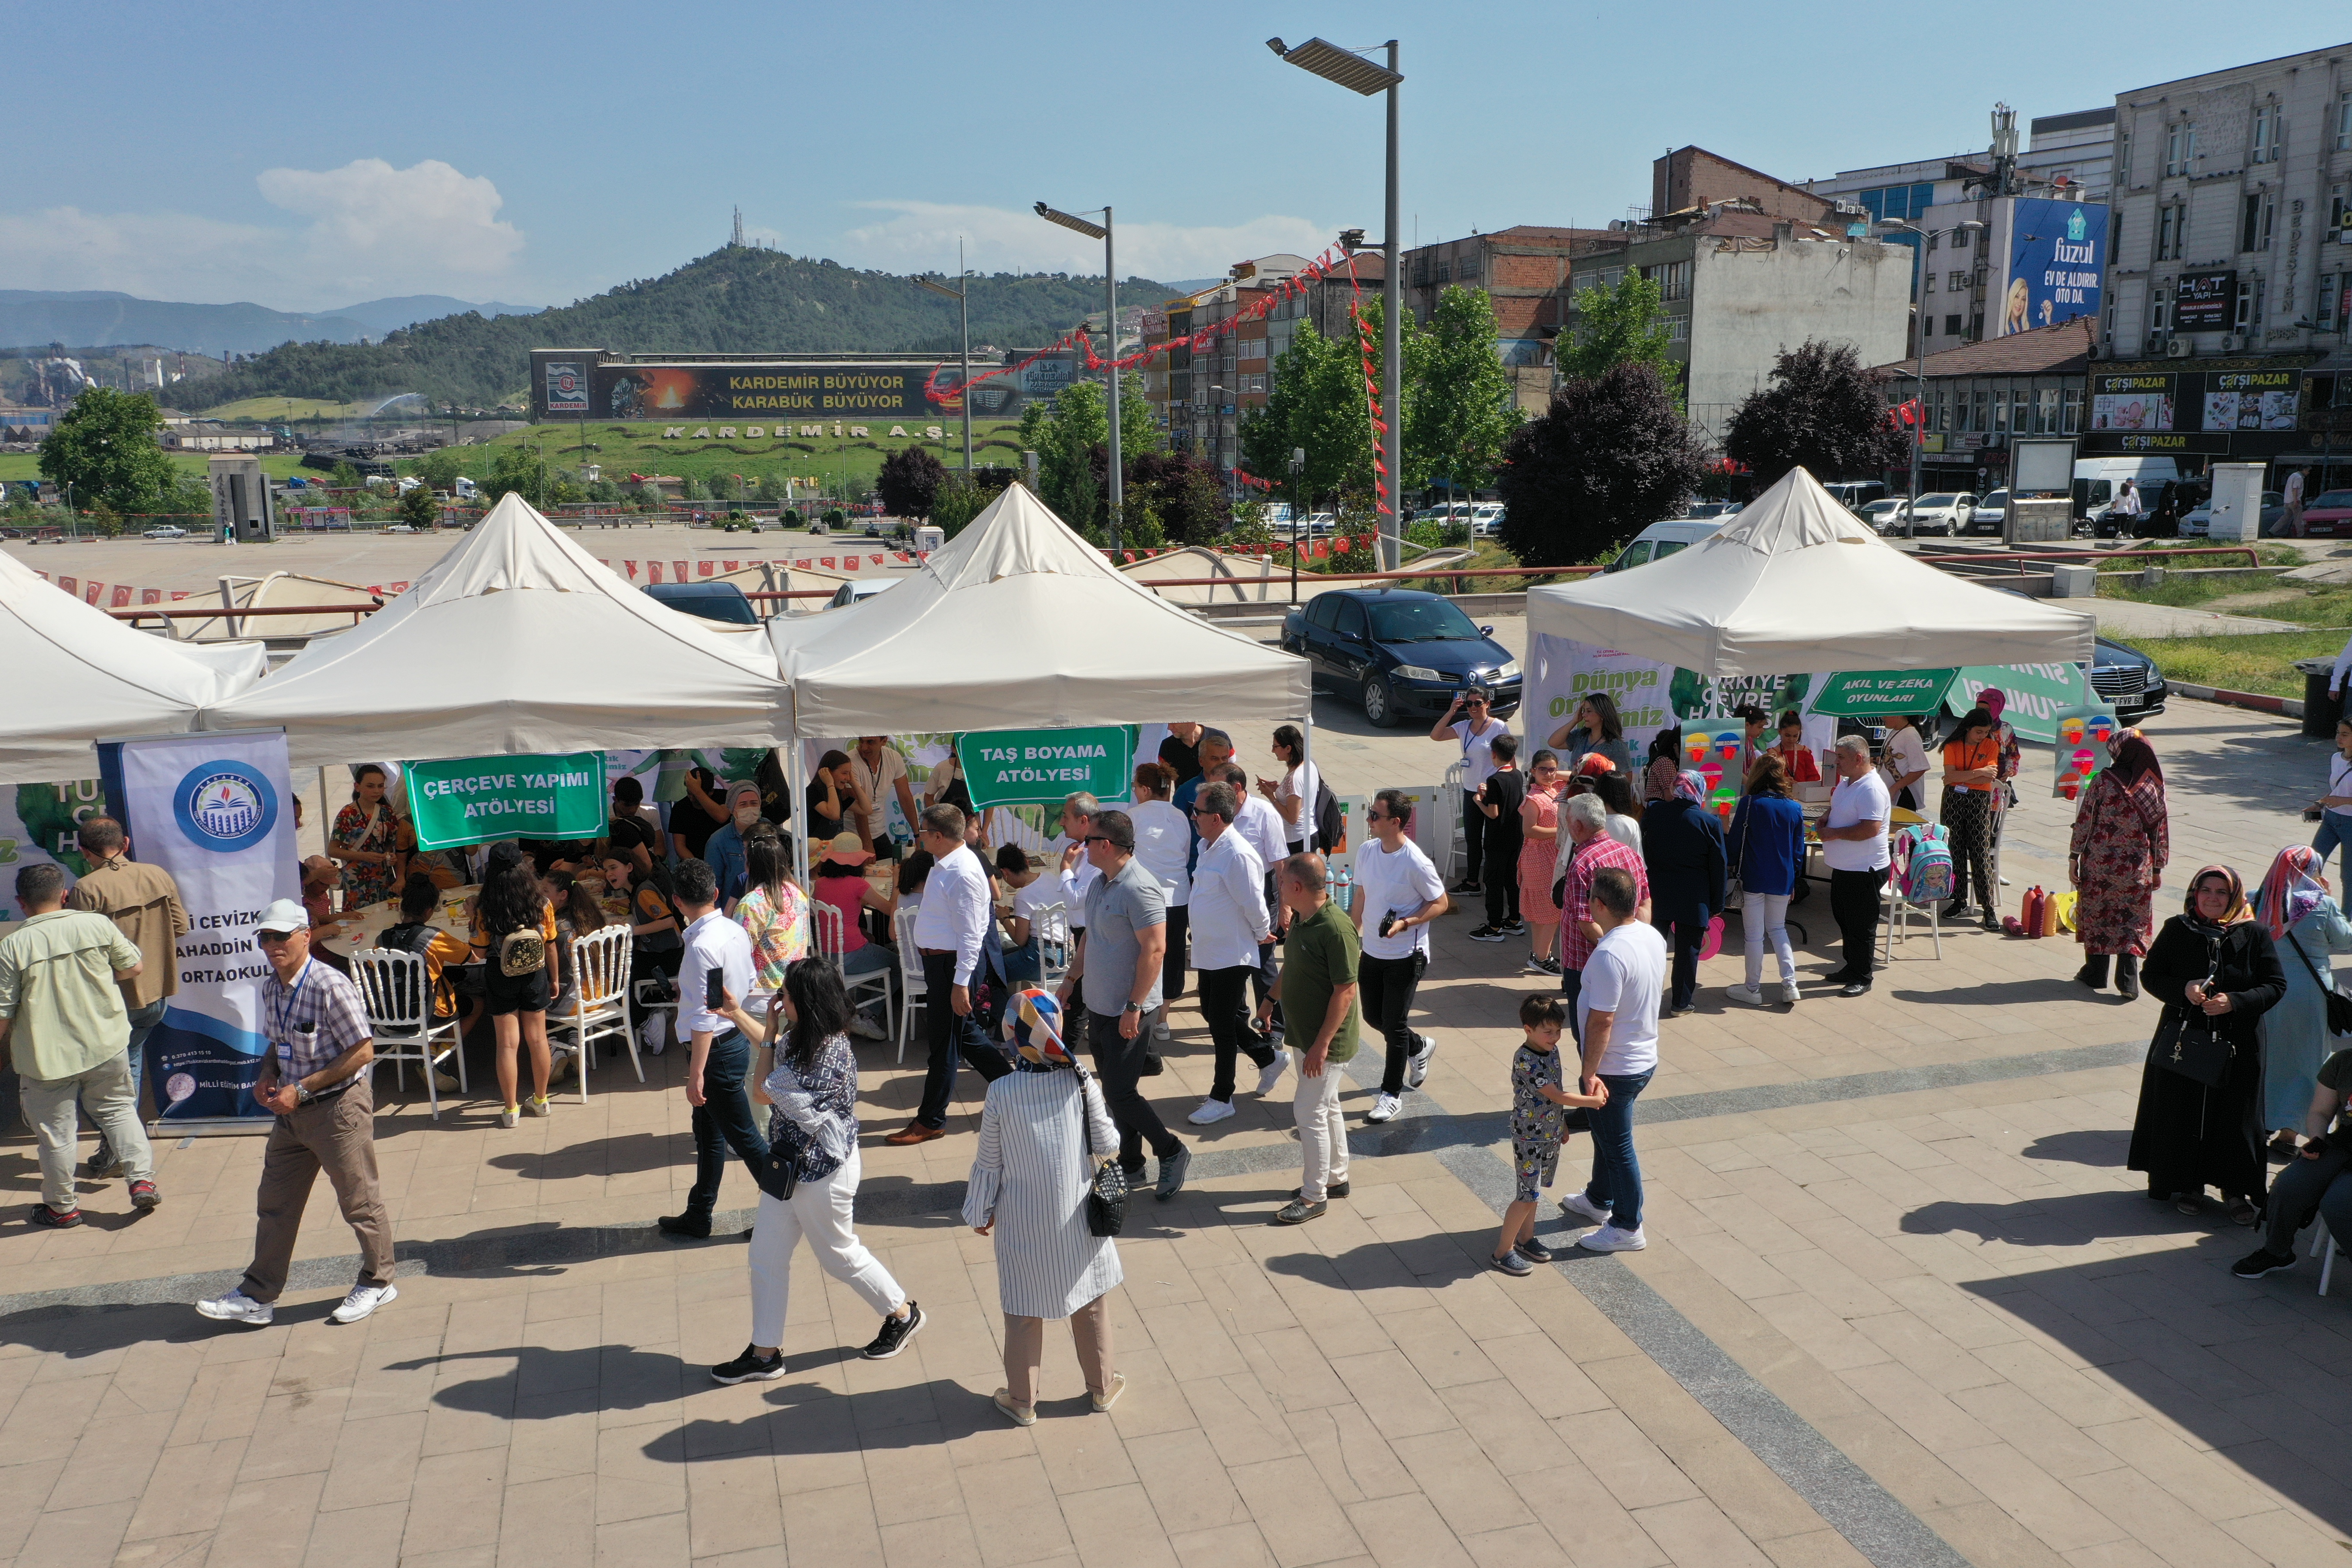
(237, 1307)
(1750, 996)
(447, 1082)
(1019, 1415)
(1159, 1026)
(2261, 1261)
(1468, 888)
(1790, 994)
(865, 1028)
(1270, 1074)
(1334, 1190)
(1534, 965)
(1956, 912)
(1487, 933)
(693, 1226)
(749, 1367)
(1416, 1066)
(1172, 1173)
(894, 1334)
(1608, 1238)
(1550, 965)
(1211, 1112)
(1535, 1251)
(1516, 926)
(143, 1195)
(1384, 1108)
(1512, 1264)
(363, 1301)
(1579, 1206)
(510, 1117)
(104, 1165)
(1298, 1211)
(566, 1064)
(48, 1218)
(1109, 1396)
(537, 1105)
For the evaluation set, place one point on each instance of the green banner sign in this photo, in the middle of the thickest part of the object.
(473, 800)
(1039, 767)
(1877, 693)
(2038, 694)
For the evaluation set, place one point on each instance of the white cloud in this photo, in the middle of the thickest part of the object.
(919, 235)
(372, 230)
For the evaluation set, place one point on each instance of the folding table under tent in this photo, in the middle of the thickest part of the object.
(517, 642)
(75, 673)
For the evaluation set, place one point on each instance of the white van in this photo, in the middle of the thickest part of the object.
(2097, 480)
(1661, 540)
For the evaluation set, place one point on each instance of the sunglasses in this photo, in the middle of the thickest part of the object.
(273, 938)
(1095, 839)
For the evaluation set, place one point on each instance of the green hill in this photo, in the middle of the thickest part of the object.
(737, 299)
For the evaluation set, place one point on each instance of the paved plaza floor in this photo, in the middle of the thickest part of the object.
(1902, 1305)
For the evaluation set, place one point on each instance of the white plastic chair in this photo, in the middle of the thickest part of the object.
(1897, 913)
(2324, 1247)
(827, 928)
(600, 1001)
(397, 988)
(1050, 924)
(1457, 843)
(911, 976)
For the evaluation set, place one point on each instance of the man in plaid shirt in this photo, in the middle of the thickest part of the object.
(315, 1077)
(1584, 820)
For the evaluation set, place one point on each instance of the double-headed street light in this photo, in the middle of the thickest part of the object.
(1352, 71)
(962, 297)
(1919, 350)
(1102, 231)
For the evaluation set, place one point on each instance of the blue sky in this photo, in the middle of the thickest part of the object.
(305, 156)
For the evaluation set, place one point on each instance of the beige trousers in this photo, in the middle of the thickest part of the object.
(1024, 1348)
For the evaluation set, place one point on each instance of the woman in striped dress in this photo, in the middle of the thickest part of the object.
(1028, 1188)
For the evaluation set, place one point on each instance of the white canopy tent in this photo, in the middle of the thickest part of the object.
(517, 641)
(1797, 582)
(75, 673)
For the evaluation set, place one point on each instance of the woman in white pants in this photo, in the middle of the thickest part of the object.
(1767, 849)
(813, 1084)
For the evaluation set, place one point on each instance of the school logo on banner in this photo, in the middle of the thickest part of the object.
(225, 807)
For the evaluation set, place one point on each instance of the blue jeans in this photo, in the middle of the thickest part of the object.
(723, 1121)
(1616, 1172)
(2335, 828)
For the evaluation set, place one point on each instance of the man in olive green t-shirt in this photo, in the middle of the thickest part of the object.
(1317, 989)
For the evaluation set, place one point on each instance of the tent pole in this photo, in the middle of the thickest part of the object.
(794, 766)
(1306, 758)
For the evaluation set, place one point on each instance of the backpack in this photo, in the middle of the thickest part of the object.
(522, 953)
(1923, 863)
(1329, 831)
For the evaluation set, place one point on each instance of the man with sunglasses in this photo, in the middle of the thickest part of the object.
(1118, 958)
(314, 1076)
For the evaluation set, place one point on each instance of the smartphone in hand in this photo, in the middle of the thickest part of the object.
(714, 988)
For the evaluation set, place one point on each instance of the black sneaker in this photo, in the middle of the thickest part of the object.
(896, 1332)
(1535, 1251)
(692, 1226)
(749, 1367)
(2261, 1261)
(50, 1219)
(1516, 926)
(1488, 933)
(1468, 888)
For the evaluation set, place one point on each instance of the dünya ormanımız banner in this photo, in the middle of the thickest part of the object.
(478, 800)
(216, 812)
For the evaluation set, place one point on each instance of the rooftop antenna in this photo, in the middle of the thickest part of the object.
(739, 228)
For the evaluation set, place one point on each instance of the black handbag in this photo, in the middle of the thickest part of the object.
(2340, 1006)
(1106, 1193)
(2187, 1044)
(780, 1172)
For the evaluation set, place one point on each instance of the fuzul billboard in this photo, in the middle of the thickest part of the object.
(2056, 252)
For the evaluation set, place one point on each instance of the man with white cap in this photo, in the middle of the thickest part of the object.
(724, 849)
(315, 1077)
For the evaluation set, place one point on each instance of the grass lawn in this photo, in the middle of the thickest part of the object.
(2264, 664)
(279, 464)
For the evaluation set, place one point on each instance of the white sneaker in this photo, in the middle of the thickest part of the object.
(1608, 1238)
(1384, 1108)
(237, 1307)
(1752, 995)
(1584, 1208)
(1791, 994)
(1211, 1110)
(1159, 1026)
(1416, 1066)
(363, 1299)
(1271, 1074)
(865, 1028)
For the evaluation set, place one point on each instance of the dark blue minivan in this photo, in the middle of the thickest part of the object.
(1405, 653)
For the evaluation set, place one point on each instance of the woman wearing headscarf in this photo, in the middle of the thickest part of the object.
(1664, 767)
(1044, 1129)
(2212, 966)
(1767, 845)
(2116, 861)
(1682, 845)
(2308, 928)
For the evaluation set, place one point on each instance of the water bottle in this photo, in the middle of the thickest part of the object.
(1343, 887)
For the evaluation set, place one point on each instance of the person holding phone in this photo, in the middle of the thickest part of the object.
(1398, 893)
(1468, 724)
(717, 961)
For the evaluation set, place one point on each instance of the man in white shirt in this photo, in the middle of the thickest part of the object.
(1398, 893)
(1854, 846)
(881, 772)
(951, 929)
(1230, 927)
(1074, 871)
(1469, 725)
(2291, 526)
(1261, 826)
(1617, 1009)
(721, 1056)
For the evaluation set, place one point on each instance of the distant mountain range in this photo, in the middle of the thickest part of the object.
(33, 318)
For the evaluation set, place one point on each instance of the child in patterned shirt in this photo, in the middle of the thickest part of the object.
(1540, 1120)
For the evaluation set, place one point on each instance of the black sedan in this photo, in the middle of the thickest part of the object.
(1403, 653)
(2128, 679)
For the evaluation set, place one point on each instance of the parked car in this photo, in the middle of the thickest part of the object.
(1989, 515)
(1402, 653)
(1486, 518)
(1661, 540)
(721, 602)
(1884, 515)
(166, 531)
(2128, 679)
(1855, 494)
(2197, 522)
(2328, 514)
(1714, 509)
(1943, 513)
(856, 590)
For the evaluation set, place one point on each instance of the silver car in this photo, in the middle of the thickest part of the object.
(1943, 513)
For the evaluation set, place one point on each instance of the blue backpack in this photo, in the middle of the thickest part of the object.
(1923, 863)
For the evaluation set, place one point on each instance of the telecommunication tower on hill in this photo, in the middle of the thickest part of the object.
(738, 241)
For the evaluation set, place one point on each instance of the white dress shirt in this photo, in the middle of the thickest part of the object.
(1077, 883)
(956, 910)
(1228, 909)
(1263, 827)
(713, 941)
(1163, 842)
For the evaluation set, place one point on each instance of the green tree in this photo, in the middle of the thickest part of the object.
(1460, 410)
(104, 446)
(420, 508)
(516, 470)
(1821, 410)
(1620, 326)
(439, 467)
(345, 477)
(1065, 435)
(910, 481)
(1318, 403)
(1612, 455)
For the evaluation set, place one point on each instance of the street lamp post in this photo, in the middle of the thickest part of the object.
(962, 297)
(1102, 231)
(1352, 72)
(1297, 476)
(1919, 353)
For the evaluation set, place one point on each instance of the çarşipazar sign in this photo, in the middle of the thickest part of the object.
(1041, 767)
(473, 800)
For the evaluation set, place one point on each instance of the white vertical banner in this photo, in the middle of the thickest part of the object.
(216, 812)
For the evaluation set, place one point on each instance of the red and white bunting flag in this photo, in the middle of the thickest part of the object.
(708, 567)
(655, 567)
(91, 591)
(70, 584)
(377, 589)
(121, 595)
(679, 572)
(397, 588)
(825, 562)
(151, 595)
(178, 594)
(898, 555)
(631, 567)
(877, 559)
(732, 565)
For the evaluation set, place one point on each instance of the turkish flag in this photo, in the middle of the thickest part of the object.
(877, 559)
(121, 594)
(178, 594)
(732, 565)
(825, 562)
(91, 591)
(679, 571)
(397, 588)
(151, 595)
(632, 569)
(70, 584)
(708, 567)
(655, 567)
